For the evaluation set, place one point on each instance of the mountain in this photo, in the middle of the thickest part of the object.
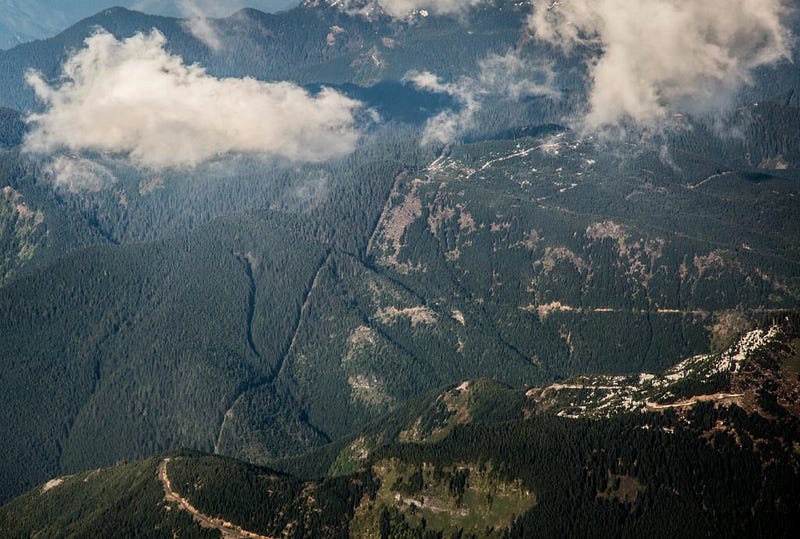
(26, 21)
(756, 376)
(476, 337)
(419, 281)
(21, 22)
(454, 469)
(293, 46)
(489, 260)
(178, 8)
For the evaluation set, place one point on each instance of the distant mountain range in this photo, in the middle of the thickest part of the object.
(22, 21)
(26, 20)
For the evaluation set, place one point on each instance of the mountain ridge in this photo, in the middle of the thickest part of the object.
(465, 338)
(395, 480)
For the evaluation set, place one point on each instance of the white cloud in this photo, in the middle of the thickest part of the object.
(132, 97)
(657, 57)
(515, 77)
(505, 76)
(447, 125)
(200, 25)
(198, 14)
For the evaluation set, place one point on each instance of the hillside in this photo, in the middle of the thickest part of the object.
(455, 470)
(378, 273)
(461, 266)
(474, 269)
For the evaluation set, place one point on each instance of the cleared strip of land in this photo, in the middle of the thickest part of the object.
(228, 529)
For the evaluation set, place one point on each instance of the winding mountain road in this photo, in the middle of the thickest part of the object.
(227, 529)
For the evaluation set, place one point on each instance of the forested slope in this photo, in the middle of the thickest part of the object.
(483, 460)
(260, 308)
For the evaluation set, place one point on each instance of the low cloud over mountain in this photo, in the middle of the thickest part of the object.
(506, 76)
(132, 97)
(651, 58)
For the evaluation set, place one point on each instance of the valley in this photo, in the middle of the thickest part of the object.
(347, 271)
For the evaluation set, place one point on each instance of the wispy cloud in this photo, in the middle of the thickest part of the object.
(506, 76)
(200, 16)
(651, 58)
(133, 98)
(199, 23)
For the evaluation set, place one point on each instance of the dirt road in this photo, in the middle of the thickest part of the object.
(228, 529)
